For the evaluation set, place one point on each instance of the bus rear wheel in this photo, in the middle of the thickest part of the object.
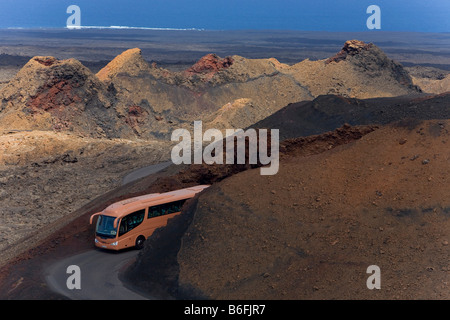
(140, 242)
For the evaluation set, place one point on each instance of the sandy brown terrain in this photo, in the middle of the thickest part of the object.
(401, 224)
(328, 112)
(311, 231)
(130, 98)
(41, 174)
(344, 199)
(23, 275)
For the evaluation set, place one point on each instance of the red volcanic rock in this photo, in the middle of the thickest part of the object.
(60, 95)
(351, 47)
(54, 95)
(54, 85)
(210, 63)
(135, 111)
(135, 116)
(46, 61)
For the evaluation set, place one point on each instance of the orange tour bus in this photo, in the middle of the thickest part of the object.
(128, 223)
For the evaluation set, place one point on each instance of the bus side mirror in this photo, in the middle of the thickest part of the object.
(92, 217)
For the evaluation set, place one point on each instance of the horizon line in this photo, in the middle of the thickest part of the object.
(105, 27)
(203, 29)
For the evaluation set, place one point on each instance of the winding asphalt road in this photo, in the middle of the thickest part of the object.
(99, 276)
(99, 269)
(145, 171)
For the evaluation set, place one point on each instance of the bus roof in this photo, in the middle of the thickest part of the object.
(126, 206)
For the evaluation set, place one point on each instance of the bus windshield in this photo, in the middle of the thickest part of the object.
(105, 227)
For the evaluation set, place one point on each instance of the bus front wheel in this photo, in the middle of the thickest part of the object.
(140, 242)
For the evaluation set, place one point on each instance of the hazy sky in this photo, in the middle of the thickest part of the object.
(327, 15)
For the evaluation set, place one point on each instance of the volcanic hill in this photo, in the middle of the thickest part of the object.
(312, 230)
(335, 207)
(58, 95)
(329, 112)
(130, 98)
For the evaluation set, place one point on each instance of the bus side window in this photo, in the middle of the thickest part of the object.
(181, 203)
(131, 221)
(163, 209)
(173, 207)
(176, 206)
(154, 212)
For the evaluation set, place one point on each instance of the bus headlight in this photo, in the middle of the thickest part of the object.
(96, 241)
(114, 243)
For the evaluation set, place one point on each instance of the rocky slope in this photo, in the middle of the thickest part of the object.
(46, 176)
(359, 70)
(330, 112)
(130, 98)
(312, 230)
(437, 86)
(60, 95)
(237, 114)
(170, 99)
(429, 79)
